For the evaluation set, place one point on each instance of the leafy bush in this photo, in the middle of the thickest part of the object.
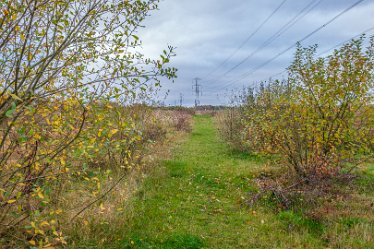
(321, 118)
(70, 70)
(231, 127)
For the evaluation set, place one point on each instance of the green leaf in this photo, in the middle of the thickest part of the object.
(16, 97)
(10, 112)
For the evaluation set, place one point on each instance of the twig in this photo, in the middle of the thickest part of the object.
(100, 198)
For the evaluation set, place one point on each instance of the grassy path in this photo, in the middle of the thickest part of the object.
(194, 201)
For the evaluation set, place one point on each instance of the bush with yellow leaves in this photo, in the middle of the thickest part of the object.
(70, 72)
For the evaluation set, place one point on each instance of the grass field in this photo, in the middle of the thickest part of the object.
(196, 200)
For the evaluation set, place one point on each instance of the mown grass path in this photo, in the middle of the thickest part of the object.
(195, 201)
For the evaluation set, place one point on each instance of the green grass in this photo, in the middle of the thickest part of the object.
(196, 200)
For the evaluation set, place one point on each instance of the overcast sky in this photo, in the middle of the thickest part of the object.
(207, 32)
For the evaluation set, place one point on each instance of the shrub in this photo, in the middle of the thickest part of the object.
(321, 118)
(231, 127)
(183, 121)
(68, 70)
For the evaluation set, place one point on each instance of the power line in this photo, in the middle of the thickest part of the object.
(293, 45)
(277, 34)
(306, 10)
(331, 48)
(346, 41)
(302, 13)
(309, 35)
(248, 38)
(328, 50)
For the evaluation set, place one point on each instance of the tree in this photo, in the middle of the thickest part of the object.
(64, 66)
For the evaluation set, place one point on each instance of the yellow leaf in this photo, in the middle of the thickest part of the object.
(40, 194)
(65, 170)
(44, 223)
(37, 136)
(11, 201)
(32, 242)
(62, 240)
(39, 231)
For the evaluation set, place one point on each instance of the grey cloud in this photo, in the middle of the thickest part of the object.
(206, 32)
